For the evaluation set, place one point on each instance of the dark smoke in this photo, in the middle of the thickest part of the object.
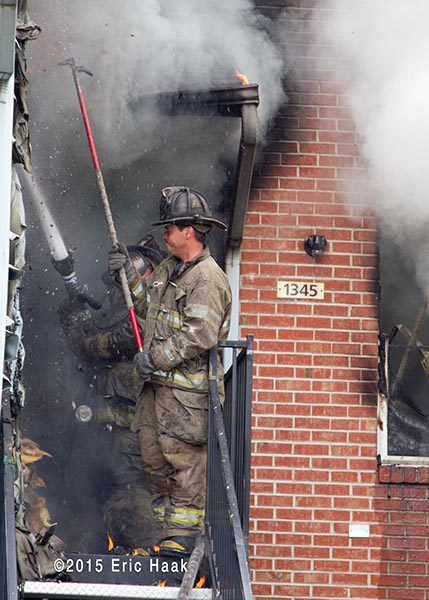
(135, 51)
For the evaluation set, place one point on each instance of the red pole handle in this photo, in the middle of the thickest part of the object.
(90, 137)
(136, 329)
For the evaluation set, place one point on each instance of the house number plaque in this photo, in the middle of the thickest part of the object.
(302, 290)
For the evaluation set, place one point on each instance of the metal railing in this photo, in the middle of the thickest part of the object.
(237, 416)
(228, 482)
(228, 474)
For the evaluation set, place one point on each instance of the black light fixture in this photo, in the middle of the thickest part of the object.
(315, 245)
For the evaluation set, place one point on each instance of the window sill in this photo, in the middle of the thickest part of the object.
(406, 474)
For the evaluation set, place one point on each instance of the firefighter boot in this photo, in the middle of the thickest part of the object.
(177, 545)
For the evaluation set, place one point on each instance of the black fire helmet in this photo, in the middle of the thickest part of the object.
(185, 206)
(148, 248)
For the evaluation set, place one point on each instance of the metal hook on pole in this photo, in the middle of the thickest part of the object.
(103, 193)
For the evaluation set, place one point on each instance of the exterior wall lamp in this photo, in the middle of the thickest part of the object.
(315, 245)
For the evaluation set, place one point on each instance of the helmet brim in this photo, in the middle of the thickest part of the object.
(202, 220)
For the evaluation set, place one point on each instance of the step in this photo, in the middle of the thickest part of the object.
(99, 591)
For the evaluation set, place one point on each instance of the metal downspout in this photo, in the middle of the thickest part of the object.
(246, 159)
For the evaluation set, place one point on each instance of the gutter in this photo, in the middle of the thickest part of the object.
(234, 100)
(243, 181)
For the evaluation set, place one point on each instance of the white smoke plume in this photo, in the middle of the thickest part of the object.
(383, 52)
(136, 49)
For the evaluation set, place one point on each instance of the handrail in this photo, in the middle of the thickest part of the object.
(224, 531)
(237, 417)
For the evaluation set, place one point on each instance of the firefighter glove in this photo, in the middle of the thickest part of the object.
(144, 364)
(118, 258)
(73, 314)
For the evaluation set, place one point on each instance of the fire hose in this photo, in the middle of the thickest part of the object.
(103, 194)
(61, 258)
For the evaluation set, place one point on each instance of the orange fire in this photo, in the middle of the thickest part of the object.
(156, 548)
(110, 544)
(200, 582)
(163, 583)
(140, 552)
(242, 77)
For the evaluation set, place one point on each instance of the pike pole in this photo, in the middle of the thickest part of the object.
(104, 198)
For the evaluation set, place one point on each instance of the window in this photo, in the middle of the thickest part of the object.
(403, 423)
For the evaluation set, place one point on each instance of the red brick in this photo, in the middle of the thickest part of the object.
(314, 196)
(314, 409)
(317, 172)
(279, 171)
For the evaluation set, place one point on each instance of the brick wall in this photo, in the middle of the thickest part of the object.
(314, 453)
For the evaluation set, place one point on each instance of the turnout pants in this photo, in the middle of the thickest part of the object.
(172, 428)
(127, 509)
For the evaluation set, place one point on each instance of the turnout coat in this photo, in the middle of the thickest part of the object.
(188, 311)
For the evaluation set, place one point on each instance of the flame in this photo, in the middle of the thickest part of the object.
(163, 583)
(242, 77)
(137, 552)
(111, 544)
(200, 582)
(140, 552)
(156, 548)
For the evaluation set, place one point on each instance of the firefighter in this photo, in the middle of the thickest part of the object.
(105, 339)
(188, 310)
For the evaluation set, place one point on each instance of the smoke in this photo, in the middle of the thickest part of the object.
(381, 60)
(136, 50)
(382, 53)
